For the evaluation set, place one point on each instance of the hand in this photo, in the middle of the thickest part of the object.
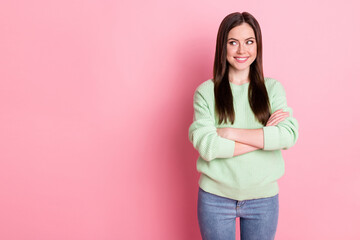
(224, 132)
(277, 117)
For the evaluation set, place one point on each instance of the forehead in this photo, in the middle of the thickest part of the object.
(242, 31)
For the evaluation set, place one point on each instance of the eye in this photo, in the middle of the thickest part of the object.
(233, 43)
(251, 42)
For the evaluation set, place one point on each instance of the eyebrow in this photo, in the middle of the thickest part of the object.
(238, 40)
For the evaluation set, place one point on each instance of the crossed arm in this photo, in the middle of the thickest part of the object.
(248, 140)
(280, 132)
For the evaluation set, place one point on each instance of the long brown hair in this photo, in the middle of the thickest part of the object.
(257, 94)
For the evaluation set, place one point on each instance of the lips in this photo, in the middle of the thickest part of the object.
(241, 59)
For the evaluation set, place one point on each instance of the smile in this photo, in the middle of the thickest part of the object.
(241, 60)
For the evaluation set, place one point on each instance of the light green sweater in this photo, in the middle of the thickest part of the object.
(251, 175)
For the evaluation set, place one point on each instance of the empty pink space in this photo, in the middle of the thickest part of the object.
(96, 101)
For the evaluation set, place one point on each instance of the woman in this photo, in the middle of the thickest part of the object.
(241, 123)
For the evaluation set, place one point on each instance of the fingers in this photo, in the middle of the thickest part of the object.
(275, 122)
(281, 115)
(280, 110)
(277, 117)
(276, 113)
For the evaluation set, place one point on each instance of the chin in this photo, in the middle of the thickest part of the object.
(242, 69)
(239, 69)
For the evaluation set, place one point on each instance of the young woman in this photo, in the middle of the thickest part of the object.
(241, 124)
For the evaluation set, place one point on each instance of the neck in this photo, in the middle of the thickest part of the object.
(239, 77)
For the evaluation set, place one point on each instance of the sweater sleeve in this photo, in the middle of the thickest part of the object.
(203, 135)
(285, 134)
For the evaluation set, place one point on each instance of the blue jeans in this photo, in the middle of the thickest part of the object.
(217, 216)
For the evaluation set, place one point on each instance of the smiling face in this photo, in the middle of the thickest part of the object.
(241, 48)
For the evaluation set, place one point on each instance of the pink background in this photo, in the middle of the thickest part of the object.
(96, 101)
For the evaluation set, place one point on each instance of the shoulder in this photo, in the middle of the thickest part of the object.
(204, 93)
(271, 82)
(205, 86)
(205, 89)
(273, 86)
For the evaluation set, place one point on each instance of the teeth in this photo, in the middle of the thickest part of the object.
(241, 58)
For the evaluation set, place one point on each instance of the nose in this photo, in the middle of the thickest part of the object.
(241, 48)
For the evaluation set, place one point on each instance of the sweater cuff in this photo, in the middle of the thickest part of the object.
(271, 138)
(226, 148)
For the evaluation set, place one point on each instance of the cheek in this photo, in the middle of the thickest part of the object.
(228, 55)
(254, 51)
(230, 52)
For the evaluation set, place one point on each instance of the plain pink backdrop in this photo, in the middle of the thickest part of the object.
(96, 101)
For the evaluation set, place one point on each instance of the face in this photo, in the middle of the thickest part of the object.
(241, 47)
